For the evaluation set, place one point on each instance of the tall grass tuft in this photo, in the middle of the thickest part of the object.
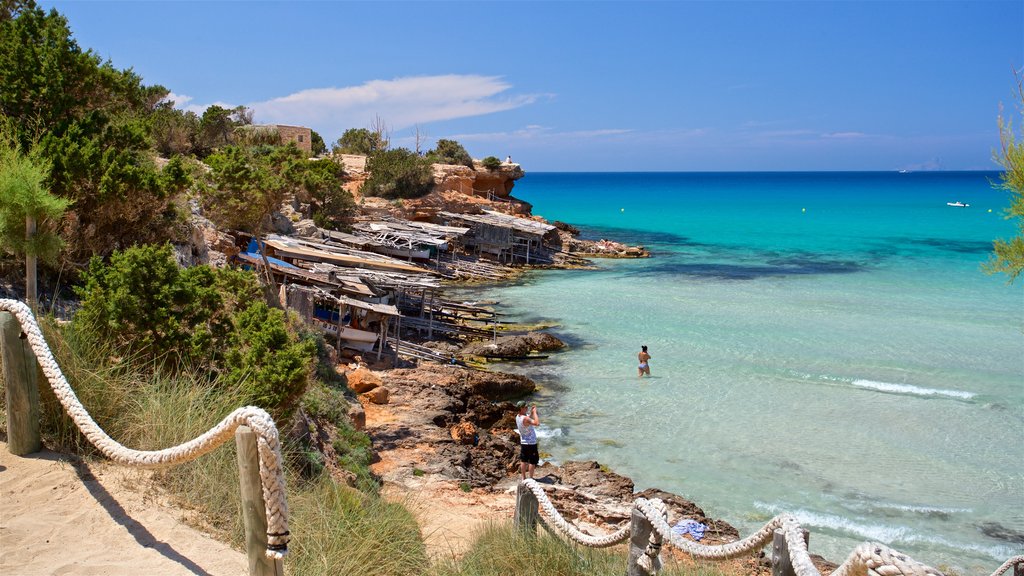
(339, 530)
(503, 550)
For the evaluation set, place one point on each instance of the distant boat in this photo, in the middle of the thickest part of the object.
(958, 204)
(904, 171)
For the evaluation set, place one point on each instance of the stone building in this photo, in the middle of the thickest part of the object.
(303, 137)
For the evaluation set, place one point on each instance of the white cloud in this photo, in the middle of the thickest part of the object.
(180, 100)
(400, 103)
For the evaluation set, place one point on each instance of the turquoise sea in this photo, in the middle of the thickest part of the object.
(823, 343)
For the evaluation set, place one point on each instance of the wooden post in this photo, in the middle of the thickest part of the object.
(782, 564)
(430, 327)
(526, 510)
(254, 510)
(19, 364)
(639, 537)
(1018, 569)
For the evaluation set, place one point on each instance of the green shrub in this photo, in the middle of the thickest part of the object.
(361, 141)
(450, 152)
(398, 173)
(144, 305)
(491, 163)
(268, 364)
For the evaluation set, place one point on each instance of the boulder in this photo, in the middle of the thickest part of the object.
(516, 346)
(357, 415)
(464, 433)
(307, 229)
(378, 395)
(362, 380)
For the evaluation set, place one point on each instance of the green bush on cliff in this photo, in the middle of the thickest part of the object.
(491, 163)
(450, 152)
(398, 173)
(202, 318)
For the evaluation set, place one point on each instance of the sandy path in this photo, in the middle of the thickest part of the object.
(62, 518)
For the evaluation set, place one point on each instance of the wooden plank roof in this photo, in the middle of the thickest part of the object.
(501, 220)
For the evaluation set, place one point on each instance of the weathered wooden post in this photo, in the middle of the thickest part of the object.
(782, 564)
(254, 509)
(19, 364)
(526, 509)
(1018, 569)
(640, 529)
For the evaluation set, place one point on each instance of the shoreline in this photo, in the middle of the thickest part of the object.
(470, 505)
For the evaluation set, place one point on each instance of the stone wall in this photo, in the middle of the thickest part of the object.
(303, 137)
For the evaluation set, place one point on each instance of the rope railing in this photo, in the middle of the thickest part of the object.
(271, 471)
(869, 558)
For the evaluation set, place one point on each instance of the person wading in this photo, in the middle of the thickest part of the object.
(645, 362)
(528, 454)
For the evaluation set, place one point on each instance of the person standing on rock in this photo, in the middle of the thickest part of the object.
(529, 456)
(645, 362)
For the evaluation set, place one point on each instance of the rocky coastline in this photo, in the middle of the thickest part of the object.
(444, 433)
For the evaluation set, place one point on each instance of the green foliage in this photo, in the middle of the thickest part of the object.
(491, 163)
(269, 364)
(317, 144)
(142, 302)
(23, 195)
(93, 128)
(360, 141)
(322, 181)
(398, 173)
(250, 135)
(202, 318)
(1008, 257)
(243, 187)
(450, 152)
(47, 82)
(217, 125)
(174, 131)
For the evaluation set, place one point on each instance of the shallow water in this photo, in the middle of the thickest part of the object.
(823, 344)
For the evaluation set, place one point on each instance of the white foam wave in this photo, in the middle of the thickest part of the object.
(911, 389)
(890, 534)
(543, 433)
(868, 531)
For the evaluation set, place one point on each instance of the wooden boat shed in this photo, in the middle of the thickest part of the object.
(509, 238)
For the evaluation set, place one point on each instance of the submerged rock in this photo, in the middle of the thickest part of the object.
(517, 346)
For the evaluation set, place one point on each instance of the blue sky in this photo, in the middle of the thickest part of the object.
(598, 86)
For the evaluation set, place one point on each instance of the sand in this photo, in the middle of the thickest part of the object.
(59, 516)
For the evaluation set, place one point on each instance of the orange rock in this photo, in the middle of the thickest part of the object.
(378, 395)
(463, 433)
(362, 380)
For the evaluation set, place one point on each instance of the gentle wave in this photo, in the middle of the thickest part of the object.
(879, 532)
(911, 389)
(543, 433)
(890, 534)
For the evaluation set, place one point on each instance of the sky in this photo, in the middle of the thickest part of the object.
(598, 86)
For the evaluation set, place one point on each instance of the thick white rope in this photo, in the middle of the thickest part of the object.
(269, 444)
(869, 558)
(1009, 564)
(570, 531)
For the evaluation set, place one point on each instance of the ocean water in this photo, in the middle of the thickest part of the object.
(823, 343)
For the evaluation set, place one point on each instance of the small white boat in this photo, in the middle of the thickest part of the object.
(362, 340)
(958, 204)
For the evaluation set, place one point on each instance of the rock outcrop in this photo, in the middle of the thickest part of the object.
(518, 346)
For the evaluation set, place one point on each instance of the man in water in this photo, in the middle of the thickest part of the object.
(645, 362)
(528, 454)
